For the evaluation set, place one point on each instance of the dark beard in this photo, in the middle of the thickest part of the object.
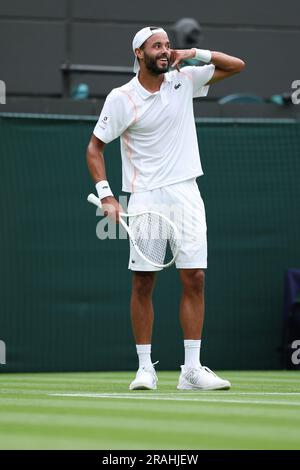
(152, 66)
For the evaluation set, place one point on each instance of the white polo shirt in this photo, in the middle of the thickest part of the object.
(157, 130)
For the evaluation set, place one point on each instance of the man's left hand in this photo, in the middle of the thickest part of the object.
(179, 55)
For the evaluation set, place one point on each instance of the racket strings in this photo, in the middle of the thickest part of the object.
(155, 237)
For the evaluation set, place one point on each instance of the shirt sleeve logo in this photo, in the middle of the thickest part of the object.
(105, 119)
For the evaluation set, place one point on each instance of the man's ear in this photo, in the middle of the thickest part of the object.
(139, 53)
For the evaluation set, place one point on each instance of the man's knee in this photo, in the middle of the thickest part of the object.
(193, 280)
(143, 283)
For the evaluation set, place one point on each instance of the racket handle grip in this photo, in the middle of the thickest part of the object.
(94, 200)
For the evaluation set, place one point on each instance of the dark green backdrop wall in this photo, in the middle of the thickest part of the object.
(65, 294)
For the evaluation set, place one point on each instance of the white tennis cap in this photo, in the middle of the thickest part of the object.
(141, 36)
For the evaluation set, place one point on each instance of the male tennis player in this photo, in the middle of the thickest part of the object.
(153, 115)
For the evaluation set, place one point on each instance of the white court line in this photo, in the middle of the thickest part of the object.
(291, 380)
(134, 396)
(187, 393)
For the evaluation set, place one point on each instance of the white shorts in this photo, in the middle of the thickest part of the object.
(182, 203)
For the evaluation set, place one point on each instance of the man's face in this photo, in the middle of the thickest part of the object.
(157, 53)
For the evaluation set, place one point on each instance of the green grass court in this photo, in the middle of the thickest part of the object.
(261, 411)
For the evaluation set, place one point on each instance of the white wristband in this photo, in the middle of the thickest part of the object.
(203, 55)
(103, 189)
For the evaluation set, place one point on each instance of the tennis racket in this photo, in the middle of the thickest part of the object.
(153, 235)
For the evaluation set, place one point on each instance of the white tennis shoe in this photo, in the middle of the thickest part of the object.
(201, 378)
(146, 379)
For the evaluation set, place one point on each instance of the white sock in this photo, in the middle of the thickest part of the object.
(144, 354)
(192, 352)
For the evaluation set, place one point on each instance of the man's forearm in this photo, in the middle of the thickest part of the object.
(96, 166)
(226, 62)
(95, 162)
(222, 61)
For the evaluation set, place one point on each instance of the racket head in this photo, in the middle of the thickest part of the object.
(151, 233)
(155, 237)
